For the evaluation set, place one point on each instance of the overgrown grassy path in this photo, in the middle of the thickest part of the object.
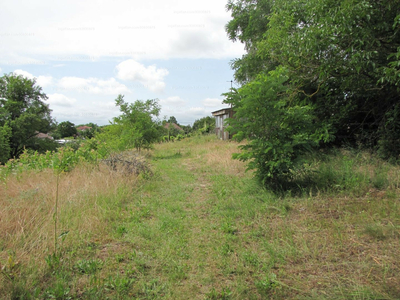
(199, 228)
(213, 233)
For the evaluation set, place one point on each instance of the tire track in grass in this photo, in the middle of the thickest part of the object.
(205, 237)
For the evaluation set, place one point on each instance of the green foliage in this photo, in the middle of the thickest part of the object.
(267, 285)
(172, 119)
(136, 127)
(90, 133)
(63, 160)
(22, 109)
(5, 149)
(171, 130)
(341, 63)
(389, 132)
(66, 129)
(204, 125)
(88, 266)
(277, 129)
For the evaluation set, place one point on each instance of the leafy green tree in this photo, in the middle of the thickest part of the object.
(5, 149)
(92, 131)
(342, 63)
(204, 125)
(23, 114)
(342, 57)
(137, 127)
(278, 133)
(66, 129)
(172, 119)
(339, 54)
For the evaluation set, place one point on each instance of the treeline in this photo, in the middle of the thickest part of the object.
(317, 73)
(26, 124)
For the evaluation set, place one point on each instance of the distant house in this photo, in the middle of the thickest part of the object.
(84, 128)
(41, 135)
(173, 125)
(220, 117)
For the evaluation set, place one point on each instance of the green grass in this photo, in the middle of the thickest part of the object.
(201, 228)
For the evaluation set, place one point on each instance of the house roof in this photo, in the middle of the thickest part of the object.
(83, 128)
(223, 111)
(176, 126)
(41, 135)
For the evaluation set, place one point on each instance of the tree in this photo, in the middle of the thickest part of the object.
(342, 57)
(172, 119)
(139, 127)
(5, 149)
(66, 129)
(342, 63)
(23, 114)
(90, 133)
(277, 133)
(205, 125)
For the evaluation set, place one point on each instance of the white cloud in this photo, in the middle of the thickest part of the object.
(151, 77)
(75, 30)
(60, 100)
(173, 101)
(92, 85)
(65, 108)
(42, 81)
(212, 102)
(73, 83)
(197, 111)
(24, 73)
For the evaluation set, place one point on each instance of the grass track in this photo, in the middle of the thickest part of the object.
(201, 228)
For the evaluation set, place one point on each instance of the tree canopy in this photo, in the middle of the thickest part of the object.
(205, 124)
(341, 64)
(66, 129)
(136, 127)
(23, 114)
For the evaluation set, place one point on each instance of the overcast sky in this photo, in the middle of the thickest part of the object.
(85, 53)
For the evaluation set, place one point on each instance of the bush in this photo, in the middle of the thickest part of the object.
(278, 132)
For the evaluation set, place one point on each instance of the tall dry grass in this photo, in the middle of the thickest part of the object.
(86, 196)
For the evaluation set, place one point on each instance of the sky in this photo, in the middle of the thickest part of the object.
(85, 53)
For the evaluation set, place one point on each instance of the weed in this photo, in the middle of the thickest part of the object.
(53, 261)
(178, 235)
(251, 258)
(59, 291)
(225, 294)
(267, 284)
(119, 258)
(229, 228)
(153, 289)
(88, 266)
(380, 180)
(226, 249)
(375, 231)
(121, 230)
(11, 268)
(120, 284)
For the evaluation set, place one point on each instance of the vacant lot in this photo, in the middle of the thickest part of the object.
(199, 227)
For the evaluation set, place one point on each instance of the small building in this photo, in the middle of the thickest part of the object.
(174, 126)
(84, 128)
(41, 135)
(220, 126)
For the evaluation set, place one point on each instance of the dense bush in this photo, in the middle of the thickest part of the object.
(342, 63)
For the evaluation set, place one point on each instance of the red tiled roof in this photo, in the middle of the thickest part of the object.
(82, 128)
(176, 126)
(41, 135)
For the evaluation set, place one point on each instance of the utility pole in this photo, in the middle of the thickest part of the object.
(231, 81)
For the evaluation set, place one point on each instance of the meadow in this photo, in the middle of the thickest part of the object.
(193, 224)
